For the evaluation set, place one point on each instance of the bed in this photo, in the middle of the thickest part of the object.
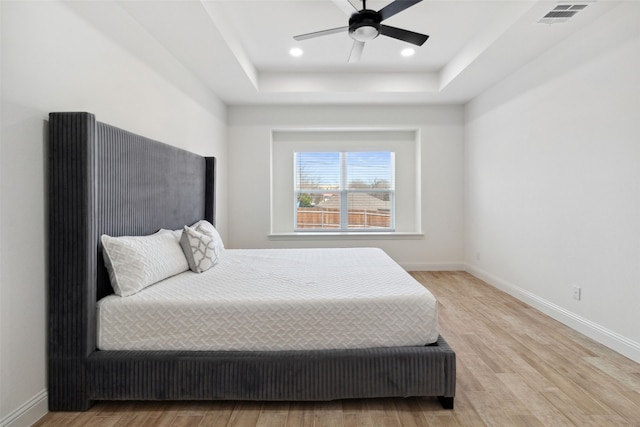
(104, 180)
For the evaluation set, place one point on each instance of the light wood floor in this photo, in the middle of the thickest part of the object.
(515, 367)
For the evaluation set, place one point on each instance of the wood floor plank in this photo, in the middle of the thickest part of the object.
(133, 420)
(159, 419)
(383, 412)
(272, 419)
(464, 413)
(515, 367)
(187, 421)
(357, 419)
(489, 409)
(245, 414)
(301, 414)
(540, 407)
(218, 414)
(328, 414)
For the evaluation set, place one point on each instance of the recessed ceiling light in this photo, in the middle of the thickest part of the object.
(408, 52)
(296, 51)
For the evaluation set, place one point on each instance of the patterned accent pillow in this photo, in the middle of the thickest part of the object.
(135, 262)
(200, 249)
(205, 227)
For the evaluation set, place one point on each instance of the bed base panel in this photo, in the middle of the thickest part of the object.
(286, 376)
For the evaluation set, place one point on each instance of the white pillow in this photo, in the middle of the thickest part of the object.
(135, 262)
(200, 249)
(176, 233)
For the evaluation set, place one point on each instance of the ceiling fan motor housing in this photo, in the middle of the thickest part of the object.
(365, 25)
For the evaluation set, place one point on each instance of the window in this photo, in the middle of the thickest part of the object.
(295, 176)
(344, 191)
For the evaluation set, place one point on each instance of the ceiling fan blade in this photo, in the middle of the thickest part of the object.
(321, 33)
(356, 51)
(396, 7)
(404, 35)
(356, 8)
(346, 6)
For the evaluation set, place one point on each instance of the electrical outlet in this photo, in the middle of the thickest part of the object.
(576, 293)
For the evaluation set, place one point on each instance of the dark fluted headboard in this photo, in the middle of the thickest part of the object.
(104, 180)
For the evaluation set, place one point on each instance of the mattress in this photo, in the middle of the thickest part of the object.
(274, 300)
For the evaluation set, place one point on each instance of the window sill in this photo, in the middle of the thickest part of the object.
(321, 235)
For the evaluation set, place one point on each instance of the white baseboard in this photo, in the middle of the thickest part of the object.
(433, 266)
(604, 336)
(28, 413)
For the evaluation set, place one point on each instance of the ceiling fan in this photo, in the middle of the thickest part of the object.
(365, 25)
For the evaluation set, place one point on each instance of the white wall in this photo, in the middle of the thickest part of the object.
(52, 60)
(552, 185)
(441, 132)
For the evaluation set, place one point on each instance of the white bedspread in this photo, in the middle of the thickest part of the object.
(276, 299)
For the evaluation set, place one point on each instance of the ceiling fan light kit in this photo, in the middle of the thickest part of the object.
(365, 25)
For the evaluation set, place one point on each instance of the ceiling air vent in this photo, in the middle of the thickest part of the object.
(561, 13)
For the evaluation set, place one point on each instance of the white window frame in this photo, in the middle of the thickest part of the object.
(405, 142)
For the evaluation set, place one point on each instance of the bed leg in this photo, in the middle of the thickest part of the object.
(446, 402)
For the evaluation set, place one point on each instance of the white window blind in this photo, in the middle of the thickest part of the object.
(344, 191)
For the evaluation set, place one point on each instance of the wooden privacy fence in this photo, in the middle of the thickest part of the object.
(330, 218)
